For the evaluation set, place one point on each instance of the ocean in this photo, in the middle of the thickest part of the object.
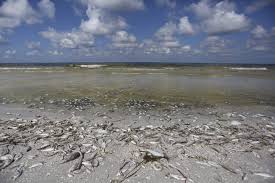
(109, 83)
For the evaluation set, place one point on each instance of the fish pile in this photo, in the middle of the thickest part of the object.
(87, 144)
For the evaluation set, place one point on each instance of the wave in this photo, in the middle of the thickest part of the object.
(44, 71)
(126, 73)
(94, 66)
(249, 68)
(21, 68)
(144, 69)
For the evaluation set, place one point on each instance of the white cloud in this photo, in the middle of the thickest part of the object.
(55, 52)
(7, 22)
(167, 32)
(220, 17)
(33, 45)
(101, 23)
(225, 22)
(259, 32)
(185, 26)
(261, 39)
(168, 3)
(116, 5)
(13, 13)
(170, 44)
(33, 53)
(122, 39)
(9, 53)
(167, 35)
(186, 48)
(166, 38)
(170, 29)
(257, 5)
(74, 39)
(202, 9)
(214, 44)
(47, 8)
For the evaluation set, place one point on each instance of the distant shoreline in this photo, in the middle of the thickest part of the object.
(135, 64)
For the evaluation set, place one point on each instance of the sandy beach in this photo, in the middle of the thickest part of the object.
(136, 124)
(173, 144)
(137, 91)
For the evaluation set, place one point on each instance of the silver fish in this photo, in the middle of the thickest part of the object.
(71, 157)
(78, 164)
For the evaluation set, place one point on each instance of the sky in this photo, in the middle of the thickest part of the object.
(185, 31)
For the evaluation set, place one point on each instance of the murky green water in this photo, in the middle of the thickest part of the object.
(209, 85)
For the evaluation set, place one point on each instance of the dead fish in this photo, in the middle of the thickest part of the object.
(208, 163)
(101, 143)
(154, 153)
(244, 176)
(32, 156)
(48, 149)
(71, 157)
(19, 172)
(28, 148)
(87, 163)
(177, 177)
(157, 166)
(44, 135)
(92, 157)
(36, 165)
(100, 131)
(228, 168)
(265, 175)
(78, 164)
(4, 151)
(95, 163)
(235, 123)
(65, 136)
(6, 160)
(256, 154)
(87, 145)
(18, 157)
(43, 146)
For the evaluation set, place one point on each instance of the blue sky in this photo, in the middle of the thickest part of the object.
(137, 30)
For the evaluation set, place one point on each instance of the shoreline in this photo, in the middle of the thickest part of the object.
(174, 144)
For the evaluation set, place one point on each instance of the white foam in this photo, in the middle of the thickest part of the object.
(144, 69)
(21, 68)
(93, 66)
(126, 73)
(249, 68)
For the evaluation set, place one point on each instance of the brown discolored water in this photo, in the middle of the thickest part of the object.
(119, 84)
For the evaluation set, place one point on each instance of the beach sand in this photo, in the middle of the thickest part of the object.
(175, 143)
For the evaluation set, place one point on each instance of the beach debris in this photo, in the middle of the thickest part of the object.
(36, 165)
(72, 156)
(235, 123)
(18, 172)
(4, 150)
(177, 177)
(127, 170)
(264, 175)
(47, 149)
(153, 155)
(6, 160)
(78, 164)
(147, 146)
(18, 156)
(44, 146)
